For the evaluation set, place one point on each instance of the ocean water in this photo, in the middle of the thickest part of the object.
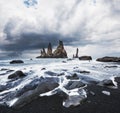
(57, 69)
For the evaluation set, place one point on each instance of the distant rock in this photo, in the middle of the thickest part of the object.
(70, 59)
(60, 52)
(85, 58)
(17, 74)
(4, 69)
(43, 69)
(64, 62)
(85, 72)
(111, 66)
(76, 55)
(16, 62)
(109, 59)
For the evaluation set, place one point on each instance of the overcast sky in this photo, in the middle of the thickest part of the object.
(28, 25)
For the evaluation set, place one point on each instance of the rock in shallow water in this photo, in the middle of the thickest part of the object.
(85, 58)
(16, 62)
(17, 74)
(111, 66)
(73, 77)
(109, 59)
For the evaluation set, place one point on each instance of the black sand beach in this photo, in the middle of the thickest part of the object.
(96, 102)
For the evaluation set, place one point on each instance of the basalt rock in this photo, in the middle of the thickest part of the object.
(16, 62)
(110, 66)
(17, 74)
(32, 93)
(85, 58)
(60, 52)
(76, 55)
(49, 51)
(109, 59)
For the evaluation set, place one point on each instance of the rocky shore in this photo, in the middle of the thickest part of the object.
(68, 86)
(97, 102)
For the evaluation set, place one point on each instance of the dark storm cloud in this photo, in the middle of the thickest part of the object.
(78, 23)
(32, 41)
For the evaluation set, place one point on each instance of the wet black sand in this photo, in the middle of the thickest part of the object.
(98, 103)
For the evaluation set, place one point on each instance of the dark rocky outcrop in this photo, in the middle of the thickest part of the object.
(109, 59)
(85, 72)
(43, 68)
(43, 53)
(17, 74)
(110, 66)
(49, 51)
(16, 62)
(106, 82)
(60, 52)
(85, 58)
(45, 85)
(76, 55)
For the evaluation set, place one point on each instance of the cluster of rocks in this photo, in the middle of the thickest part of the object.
(81, 57)
(60, 52)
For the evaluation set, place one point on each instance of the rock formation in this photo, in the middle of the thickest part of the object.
(76, 55)
(109, 59)
(85, 58)
(16, 62)
(17, 74)
(60, 52)
(49, 51)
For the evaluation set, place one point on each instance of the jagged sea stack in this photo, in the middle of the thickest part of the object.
(77, 53)
(43, 54)
(49, 50)
(60, 52)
